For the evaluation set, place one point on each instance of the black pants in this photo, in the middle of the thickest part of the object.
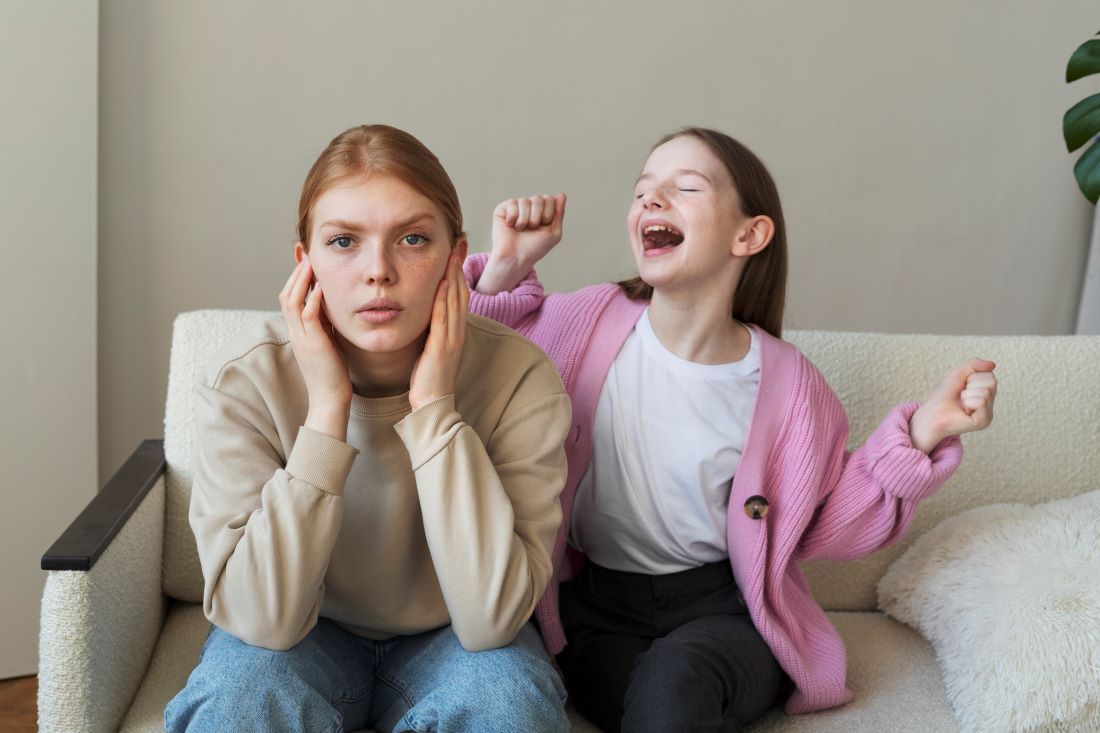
(664, 653)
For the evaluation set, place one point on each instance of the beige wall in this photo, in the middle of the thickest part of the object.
(917, 147)
(48, 331)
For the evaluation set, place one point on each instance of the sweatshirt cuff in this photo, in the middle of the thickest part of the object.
(902, 470)
(320, 460)
(429, 429)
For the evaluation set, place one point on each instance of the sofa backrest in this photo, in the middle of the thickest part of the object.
(1044, 442)
(196, 336)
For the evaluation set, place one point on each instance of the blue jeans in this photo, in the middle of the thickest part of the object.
(334, 680)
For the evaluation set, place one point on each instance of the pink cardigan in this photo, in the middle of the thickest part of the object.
(823, 501)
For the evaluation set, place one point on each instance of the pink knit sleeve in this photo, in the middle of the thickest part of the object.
(868, 497)
(510, 307)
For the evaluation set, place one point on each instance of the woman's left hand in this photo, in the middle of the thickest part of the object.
(437, 367)
(962, 403)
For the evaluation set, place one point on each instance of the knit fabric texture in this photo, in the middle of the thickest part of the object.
(824, 502)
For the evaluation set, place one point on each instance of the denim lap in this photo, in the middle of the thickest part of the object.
(323, 683)
(333, 681)
(429, 682)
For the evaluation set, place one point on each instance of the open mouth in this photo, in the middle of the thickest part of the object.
(660, 236)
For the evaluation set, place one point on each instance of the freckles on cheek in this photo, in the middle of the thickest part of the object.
(426, 271)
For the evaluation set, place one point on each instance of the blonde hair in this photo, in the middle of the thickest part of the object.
(369, 150)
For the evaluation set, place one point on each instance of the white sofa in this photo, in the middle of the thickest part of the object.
(122, 622)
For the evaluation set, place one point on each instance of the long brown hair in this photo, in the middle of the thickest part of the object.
(762, 289)
(367, 150)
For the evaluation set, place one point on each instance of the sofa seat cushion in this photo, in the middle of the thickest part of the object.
(891, 669)
(897, 684)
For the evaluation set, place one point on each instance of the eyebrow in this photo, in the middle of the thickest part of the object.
(357, 227)
(678, 171)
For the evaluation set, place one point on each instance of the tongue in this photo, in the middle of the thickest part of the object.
(659, 239)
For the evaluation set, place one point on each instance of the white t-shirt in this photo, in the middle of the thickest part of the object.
(668, 437)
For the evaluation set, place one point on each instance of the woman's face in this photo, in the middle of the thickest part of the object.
(685, 217)
(379, 249)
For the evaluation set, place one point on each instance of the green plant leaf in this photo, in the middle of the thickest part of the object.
(1087, 171)
(1081, 122)
(1084, 61)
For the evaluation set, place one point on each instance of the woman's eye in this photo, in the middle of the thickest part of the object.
(414, 239)
(690, 190)
(343, 241)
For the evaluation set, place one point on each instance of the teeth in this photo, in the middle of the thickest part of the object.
(657, 228)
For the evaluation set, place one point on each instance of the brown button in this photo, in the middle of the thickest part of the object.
(756, 507)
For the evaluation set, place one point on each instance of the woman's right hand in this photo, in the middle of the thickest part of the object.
(328, 383)
(524, 231)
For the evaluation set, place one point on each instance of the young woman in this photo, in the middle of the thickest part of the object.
(376, 479)
(707, 456)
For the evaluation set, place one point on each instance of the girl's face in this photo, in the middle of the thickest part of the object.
(379, 249)
(685, 218)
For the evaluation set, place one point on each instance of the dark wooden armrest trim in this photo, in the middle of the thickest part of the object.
(91, 532)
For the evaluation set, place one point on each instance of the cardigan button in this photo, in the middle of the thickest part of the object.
(756, 507)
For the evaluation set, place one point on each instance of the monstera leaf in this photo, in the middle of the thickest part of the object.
(1082, 122)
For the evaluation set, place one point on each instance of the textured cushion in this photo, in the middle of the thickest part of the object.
(1009, 596)
(893, 673)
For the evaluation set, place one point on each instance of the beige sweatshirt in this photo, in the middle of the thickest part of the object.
(442, 515)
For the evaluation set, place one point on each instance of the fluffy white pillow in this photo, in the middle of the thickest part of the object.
(1009, 597)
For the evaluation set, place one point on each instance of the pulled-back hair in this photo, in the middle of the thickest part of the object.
(369, 150)
(761, 290)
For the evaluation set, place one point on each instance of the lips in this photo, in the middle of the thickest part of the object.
(660, 235)
(378, 310)
(379, 304)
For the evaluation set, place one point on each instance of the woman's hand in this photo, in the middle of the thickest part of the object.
(436, 368)
(963, 402)
(328, 383)
(524, 231)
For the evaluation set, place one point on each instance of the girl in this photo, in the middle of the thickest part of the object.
(377, 479)
(707, 456)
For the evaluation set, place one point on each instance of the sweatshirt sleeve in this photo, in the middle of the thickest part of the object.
(867, 498)
(265, 527)
(491, 508)
(510, 307)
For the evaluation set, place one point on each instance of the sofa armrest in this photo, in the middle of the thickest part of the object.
(91, 532)
(102, 614)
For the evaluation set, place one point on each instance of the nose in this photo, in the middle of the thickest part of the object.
(378, 266)
(654, 198)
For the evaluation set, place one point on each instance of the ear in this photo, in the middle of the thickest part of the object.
(461, 246)
(299, 251)
(754, 237)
